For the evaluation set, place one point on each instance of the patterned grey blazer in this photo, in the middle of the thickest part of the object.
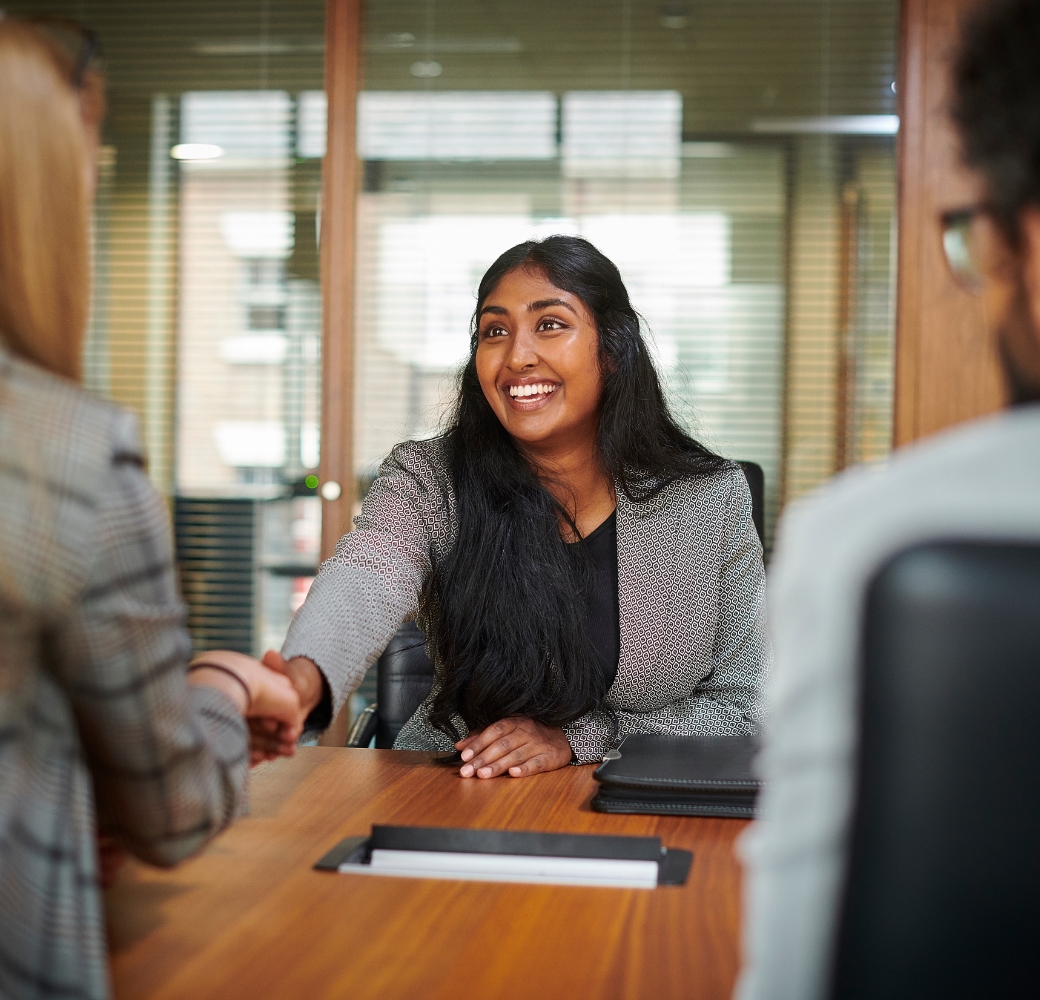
(95, 709)
(691, 589)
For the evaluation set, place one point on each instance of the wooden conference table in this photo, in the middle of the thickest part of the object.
(250, 917)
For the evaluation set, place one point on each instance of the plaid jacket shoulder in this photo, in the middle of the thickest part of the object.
(96, 716)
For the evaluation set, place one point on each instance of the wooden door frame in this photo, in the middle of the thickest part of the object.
(339, 200)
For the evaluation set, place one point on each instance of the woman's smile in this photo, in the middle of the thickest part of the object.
(525, 397)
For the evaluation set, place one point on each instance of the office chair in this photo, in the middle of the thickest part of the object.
(404, 676)
(756, 480)
(404, 673)
(942, 897)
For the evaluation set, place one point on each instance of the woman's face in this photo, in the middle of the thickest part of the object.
(538, 362)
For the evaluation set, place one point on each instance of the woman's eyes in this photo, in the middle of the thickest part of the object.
(546, 325)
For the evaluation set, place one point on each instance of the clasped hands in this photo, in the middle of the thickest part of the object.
(268, 701)
(266, 697)
(516, 746)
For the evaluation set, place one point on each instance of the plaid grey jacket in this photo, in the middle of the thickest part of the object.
(691, 590)
(97, 720)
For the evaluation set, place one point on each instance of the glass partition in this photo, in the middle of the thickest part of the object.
(207, 306)
(735, 159)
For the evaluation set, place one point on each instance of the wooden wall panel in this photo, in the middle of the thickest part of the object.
(338, 209)
(339, 200)
(946, 366)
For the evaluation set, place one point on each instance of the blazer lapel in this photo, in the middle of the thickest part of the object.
(646, 554)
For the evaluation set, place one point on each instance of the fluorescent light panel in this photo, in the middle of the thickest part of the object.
(830, 125)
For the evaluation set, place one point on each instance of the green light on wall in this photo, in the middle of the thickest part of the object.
(311, 482)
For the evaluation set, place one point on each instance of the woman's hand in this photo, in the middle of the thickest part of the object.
(265, 737)
(272, 706)
(520, 745)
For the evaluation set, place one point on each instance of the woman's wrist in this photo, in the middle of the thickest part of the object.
(308, 681)
(223, 681)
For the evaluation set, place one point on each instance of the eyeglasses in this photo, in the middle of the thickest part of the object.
(973, 245)
(81, 44)
(961, 246)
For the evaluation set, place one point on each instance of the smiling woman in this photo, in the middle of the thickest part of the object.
(582, 567)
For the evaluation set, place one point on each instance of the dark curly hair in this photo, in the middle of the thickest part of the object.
(506, 606)
(996, 104)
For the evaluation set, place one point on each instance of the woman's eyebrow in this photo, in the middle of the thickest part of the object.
(545, 303)
(497, 310)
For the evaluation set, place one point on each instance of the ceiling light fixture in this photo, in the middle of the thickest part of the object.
(829, 125)
(674, 15)
(196, 151)
(426, 69)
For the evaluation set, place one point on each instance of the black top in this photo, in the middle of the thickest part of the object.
(603, 613)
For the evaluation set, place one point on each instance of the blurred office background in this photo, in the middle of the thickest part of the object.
(736, 158)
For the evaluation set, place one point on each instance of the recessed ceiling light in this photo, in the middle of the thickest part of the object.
(196, 151)
(674, 15)
(426, 69)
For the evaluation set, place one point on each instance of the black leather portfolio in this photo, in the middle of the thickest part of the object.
(679, 775)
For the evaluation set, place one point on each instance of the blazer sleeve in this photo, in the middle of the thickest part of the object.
(372, 583)
(168, 760)
(728, 702)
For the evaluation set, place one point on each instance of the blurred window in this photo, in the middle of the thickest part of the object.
(735, 160)
(207, 307)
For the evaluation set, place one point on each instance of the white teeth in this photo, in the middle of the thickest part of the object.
(536, 389)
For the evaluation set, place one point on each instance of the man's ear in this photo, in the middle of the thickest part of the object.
(1029, 228)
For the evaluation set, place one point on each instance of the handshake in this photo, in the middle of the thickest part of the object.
(275, 696)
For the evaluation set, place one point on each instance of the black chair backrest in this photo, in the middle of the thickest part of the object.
(404, 676)
(942, 897)
(756, 480)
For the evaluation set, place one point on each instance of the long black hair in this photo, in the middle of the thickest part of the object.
(506, 607)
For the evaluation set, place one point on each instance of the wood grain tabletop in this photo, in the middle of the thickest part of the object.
(249, 917)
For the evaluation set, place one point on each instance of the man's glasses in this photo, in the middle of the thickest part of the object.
(964, 245)
(973, 244)
(81, 44)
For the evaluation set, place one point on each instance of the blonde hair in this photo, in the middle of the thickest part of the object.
(45, 165)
